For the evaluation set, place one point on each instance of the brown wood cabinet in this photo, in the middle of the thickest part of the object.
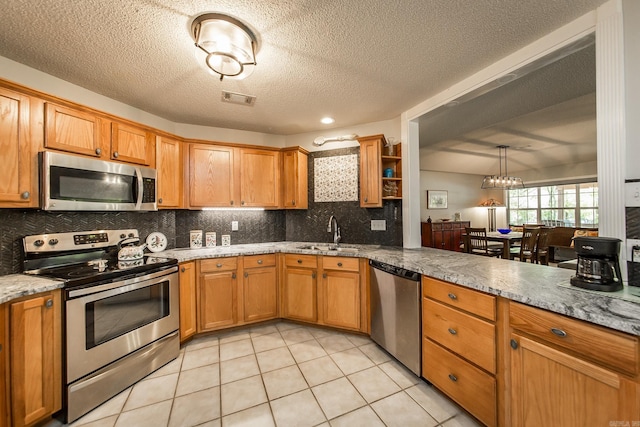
(295, 178)
(571, 373)
(75, 131)
(371, 171)
(259, 178)
(169, 161)
(300, 288)
(212, 176)
(18, 162)
(132, 144)
(459, 352)
(259, 288)
(36, 357)
(340, 292)
(446, 235)
(217, 293)
(188, 321)
(4, 360)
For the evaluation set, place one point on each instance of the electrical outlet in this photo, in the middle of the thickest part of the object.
(234, 225)
(378, 225)
(633, 254)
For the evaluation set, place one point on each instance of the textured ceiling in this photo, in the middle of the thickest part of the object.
(359, 61)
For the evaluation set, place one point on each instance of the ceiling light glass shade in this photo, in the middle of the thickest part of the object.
(502, 181)
(224, 45)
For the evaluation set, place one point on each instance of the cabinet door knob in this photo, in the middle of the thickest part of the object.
(242, 202)
(233, 275)
(324, 275)
(339, 264)
(313, 275)
(293, 202)
(231, 203)
(160, 200)
(452, 331)
(452, 296)
(49, 303)
(514, 344)
(246, 274)
(453, 378)
(558, 332)
(366, 199)
(182, 270)
(25, 195)
(115, 154)
(98, 151)
(259, 261)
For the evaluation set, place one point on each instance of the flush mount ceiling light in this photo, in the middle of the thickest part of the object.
(327, 120)
(226, 46)
(502, 181)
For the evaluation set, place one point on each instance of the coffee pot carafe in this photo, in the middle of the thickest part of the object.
(598, 267)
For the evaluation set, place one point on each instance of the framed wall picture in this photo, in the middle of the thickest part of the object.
(436, 199)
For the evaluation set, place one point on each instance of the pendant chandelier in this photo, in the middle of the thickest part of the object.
(502, 181)
(225, 46)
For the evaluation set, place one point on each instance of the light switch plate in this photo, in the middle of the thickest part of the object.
(632, 194)
(631, 253)
(234, 225)
(378, 225)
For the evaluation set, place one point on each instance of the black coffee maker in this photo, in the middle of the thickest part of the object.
(598, 266)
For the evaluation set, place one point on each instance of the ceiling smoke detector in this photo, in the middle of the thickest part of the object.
(238, 98)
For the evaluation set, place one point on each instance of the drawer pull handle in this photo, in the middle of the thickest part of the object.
(453, 378)
(452, 331)
(299, 261)
(219, 265)
(452, 296)
(339, 264)
(559, 332)
(259, 261)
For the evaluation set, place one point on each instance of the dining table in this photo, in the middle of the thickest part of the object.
(507, 240)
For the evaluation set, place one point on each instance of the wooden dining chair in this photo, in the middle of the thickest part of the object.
(477, 242)
(542, 246)
(527, 246)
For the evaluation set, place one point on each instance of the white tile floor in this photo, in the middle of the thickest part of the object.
(280, 374)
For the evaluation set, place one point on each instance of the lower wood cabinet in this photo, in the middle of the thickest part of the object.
(217, 293)
(259, 288)
(35, 329)
(340, 289)
(300, 288)
(459, 351)
(188, 321)
(4, 384)
(570, 373)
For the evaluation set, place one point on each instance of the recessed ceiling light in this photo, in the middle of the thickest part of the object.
(327, 120)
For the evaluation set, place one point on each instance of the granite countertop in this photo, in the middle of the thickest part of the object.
(536, 285)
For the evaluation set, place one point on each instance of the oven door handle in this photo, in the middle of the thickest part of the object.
(74, 293)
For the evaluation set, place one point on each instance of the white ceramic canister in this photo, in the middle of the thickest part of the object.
(226, 240)
(195, 239)
(210, 239)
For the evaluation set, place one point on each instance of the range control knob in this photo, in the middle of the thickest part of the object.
(53, 242)
(122, 236)
(38, 243)
(131, 235)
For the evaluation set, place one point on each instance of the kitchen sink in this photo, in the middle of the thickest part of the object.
(329, 248)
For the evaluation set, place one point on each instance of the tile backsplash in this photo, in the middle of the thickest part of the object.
(253, 226)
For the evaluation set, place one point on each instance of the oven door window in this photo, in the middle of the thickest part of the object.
(114, 316)
(92, 186)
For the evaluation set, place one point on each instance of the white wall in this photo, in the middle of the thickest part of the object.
(464, 196)
(631, 10)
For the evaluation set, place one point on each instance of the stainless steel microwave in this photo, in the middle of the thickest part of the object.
(73, 183)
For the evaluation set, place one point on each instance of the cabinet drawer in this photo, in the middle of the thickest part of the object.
(474, 302)
(598, 344)
(468, 336)
(296, 260)
(340, 263)
(469, 386)
(218, 264)
(253, 261)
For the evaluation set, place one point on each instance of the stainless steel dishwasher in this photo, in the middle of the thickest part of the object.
(395, 313)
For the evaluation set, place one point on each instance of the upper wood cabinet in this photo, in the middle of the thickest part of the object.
(213, 174)
(18, 162)
(371, 171)
(75, 131)
(295, 179)
(169, 161)
(132, 144)
(259, 178)
(36, 357)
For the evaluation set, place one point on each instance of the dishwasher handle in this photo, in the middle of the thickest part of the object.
(396, 271)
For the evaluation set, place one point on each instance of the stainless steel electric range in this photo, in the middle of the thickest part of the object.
(121, 317)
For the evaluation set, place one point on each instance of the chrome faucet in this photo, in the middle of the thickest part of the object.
(335, 229)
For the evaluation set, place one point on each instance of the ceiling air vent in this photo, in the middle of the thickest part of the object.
(238, 98)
